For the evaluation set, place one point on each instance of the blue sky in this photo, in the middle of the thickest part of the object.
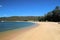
(27, 7)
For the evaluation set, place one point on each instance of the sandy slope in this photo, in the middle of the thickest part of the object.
(44, 31)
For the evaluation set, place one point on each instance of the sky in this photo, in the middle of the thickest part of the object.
(27, 7)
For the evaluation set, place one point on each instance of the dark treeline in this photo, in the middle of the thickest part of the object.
(53, 15)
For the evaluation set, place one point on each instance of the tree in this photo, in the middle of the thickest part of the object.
(53, 15)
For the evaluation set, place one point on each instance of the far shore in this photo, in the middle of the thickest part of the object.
(42, 31)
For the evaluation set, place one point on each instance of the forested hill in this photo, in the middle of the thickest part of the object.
(53, 15)
(19, 18)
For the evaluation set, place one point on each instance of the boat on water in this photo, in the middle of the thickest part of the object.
(2, 21)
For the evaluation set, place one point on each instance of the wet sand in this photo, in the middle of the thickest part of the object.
(43, 31)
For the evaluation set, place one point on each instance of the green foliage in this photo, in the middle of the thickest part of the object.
(53, 15)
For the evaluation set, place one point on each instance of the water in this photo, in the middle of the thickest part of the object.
(5, 26)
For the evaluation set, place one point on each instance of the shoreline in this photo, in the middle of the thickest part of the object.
(42, 31)
(26, 26)
(15, 32)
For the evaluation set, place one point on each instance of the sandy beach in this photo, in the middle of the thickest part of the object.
(43, 31)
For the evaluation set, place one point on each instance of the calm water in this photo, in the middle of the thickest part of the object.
(4, 26)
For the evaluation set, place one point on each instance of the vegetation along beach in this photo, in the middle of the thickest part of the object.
(29, 19)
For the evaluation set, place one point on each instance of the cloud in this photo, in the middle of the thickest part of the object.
(0, 5)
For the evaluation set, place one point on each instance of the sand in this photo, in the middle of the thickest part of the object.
(43, 31)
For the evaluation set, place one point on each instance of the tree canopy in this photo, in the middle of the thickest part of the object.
(53, 15)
